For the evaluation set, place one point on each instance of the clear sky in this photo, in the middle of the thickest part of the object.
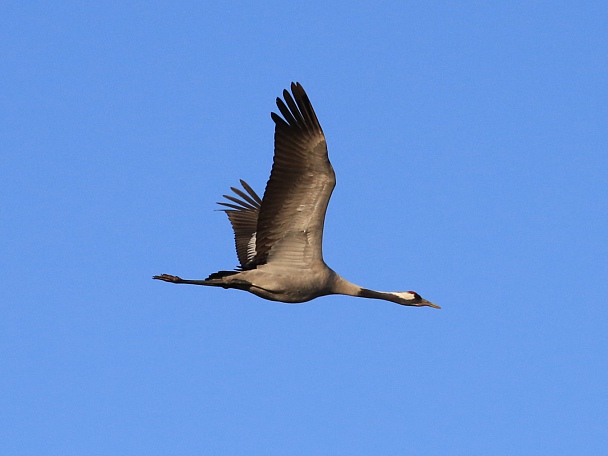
(470, 143)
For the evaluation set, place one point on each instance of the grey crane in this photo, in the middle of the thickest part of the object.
(279, 237)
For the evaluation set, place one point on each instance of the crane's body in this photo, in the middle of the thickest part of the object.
(279, 237)
(288, 285)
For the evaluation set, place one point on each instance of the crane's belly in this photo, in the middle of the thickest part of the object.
(287, 286)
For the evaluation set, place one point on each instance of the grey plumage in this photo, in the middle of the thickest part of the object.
(279, 237)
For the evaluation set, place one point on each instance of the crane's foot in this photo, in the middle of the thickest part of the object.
(168, 278)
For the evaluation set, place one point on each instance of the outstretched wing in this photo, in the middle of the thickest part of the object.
(243, 213)
(292, 213)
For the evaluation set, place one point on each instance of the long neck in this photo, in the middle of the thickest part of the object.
(344, 287)
(365, 293)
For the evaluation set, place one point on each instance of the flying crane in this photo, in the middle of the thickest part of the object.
(279, 237)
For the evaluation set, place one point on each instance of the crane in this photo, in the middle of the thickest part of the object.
(279, 237)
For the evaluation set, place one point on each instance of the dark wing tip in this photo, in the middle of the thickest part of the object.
(296, 110)
(247, 200)
(250, 190)
(277, 119)
(297, 89)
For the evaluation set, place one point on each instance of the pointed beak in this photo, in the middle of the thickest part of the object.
(429, 304)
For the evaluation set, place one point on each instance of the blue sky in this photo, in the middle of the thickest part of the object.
(470, 144)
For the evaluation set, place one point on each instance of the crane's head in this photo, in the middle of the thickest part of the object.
(411, 298)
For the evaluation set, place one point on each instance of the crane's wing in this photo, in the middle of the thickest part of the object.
(292, 214)
(243, 215)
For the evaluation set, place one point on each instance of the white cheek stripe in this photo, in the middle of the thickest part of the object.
(404, 294)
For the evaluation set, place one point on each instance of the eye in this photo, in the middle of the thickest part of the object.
(416, 295)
